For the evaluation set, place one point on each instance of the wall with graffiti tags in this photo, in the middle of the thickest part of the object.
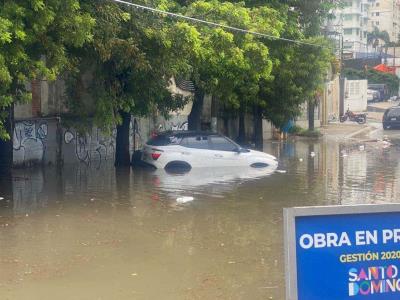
(34, 141)
(45, 141)
(87, 148)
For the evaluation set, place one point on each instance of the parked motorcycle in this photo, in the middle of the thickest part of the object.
(349, 115)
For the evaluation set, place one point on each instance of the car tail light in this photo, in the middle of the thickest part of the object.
(155, 156)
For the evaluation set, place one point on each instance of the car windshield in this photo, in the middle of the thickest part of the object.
(223, 144)
(395, 112)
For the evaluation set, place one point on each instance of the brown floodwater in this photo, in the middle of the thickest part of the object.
(97, 233)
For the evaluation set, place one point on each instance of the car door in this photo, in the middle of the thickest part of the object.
(225, 152)
(196, 150)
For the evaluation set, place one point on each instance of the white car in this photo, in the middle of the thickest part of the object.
(185, 149)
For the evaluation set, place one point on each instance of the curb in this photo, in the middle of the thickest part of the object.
(358, 132)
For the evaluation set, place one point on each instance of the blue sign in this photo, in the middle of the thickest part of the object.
(346, 256)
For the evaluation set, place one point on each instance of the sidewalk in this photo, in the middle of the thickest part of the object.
(346, 130)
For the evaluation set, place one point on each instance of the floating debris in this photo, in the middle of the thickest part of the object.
(281, 171)
(300, 159)
(182, 200)
(312, 154)
(1, 198)
(361, 147)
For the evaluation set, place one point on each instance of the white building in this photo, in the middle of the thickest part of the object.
(352, 24)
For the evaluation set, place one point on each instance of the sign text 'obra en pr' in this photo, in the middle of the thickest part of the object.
(343, 252)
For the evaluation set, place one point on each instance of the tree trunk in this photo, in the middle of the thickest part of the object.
(242, 127)
(6, 146)
(226, 125)
(214, 114)
(310, 110)
(194, 118)
(122, 157)
(258, 128)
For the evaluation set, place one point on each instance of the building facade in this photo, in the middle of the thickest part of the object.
(351, 25)
(385, 15)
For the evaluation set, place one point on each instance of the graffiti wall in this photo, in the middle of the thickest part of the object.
(87, 148)
(45, 141)
(30, 141)
(174, 122)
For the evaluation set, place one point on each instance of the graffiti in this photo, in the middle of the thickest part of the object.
(89, 148)
(135, 135)
(68, 137)
(29, 142)
(180, 126)
(176, 124)
(41, 141)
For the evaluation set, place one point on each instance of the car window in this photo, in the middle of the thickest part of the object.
(394, 112)
(197, 142)
(164, 140)
(222, 144)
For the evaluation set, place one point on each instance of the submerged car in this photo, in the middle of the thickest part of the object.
(391, 118)
(188, 149)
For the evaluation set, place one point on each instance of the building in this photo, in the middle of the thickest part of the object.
(385, 15)
(351, 25)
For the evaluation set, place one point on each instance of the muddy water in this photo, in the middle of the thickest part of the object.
(94, 233)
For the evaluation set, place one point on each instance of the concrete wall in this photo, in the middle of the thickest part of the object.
(330, 102)
(46, 141)
(48, 100)
(356, 95)
(35, 142)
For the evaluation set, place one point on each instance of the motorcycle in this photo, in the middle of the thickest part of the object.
(349, 115)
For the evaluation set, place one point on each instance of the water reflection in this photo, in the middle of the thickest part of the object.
(123, 229)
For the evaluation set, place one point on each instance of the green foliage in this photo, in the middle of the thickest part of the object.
(231, 65)
(121, 59)
(298, 77)
(128, 65)
(374, 77)
(34, 37)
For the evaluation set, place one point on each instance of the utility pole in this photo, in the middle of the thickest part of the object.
(341, 78)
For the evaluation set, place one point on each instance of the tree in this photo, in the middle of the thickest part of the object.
(34, 36)
(298, 77)
(131, 59)
(376, 35)
(229, 65)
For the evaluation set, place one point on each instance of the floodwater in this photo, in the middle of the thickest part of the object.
(96, 233)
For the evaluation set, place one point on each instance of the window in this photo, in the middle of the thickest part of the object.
(196, 142)
(358, 31)
(394, 113)
(348, 31)
(222, 144)
(377, 14)
(377, 23)
(353, 88)
(347, 4)
(348, 17)
(377, 4)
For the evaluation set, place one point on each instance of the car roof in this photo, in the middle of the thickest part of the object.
(186, 133)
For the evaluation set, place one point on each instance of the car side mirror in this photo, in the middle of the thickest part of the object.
(241, 150)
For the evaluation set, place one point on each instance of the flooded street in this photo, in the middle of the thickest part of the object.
(96, 233)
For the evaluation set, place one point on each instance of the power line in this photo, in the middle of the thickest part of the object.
(159, 11)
